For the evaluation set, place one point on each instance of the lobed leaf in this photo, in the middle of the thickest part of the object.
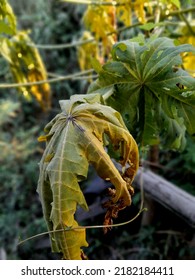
(75, 139)
(142, 78)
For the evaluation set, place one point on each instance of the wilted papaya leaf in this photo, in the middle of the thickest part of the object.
(27, 66)
(75, 139)
(87, 51)
(124, 12)
(101, 21)
(139, 10)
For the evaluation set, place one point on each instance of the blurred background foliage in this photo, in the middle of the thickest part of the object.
(22, 121)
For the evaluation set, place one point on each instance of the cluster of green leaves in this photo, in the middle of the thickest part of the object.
(144, 81)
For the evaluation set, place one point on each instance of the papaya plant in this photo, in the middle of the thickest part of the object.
(143, 89)
(155, 96)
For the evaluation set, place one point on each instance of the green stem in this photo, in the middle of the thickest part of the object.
(184, 11)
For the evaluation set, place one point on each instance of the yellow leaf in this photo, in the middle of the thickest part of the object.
(101, 21)
(188, 38)
(125, 11)
(189, 58)
(27, 67)
(139, 10)
(87, 51)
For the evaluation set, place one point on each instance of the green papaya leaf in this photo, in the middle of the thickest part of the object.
(75, 139)
(145, 81)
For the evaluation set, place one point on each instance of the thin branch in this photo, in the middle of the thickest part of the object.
(119, 30)
(52, 80)
(96, 3)
(184, 11)
(182, 17)
(89, 72)
(62, 46)
(82, 42)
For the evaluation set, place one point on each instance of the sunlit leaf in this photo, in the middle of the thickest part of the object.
(27, 67)
(188, 58)
(100, 21)
(87, 51)
(124, 12)
(138, 6)
(75, 139)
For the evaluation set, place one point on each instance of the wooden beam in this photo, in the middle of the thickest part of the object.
(172, 197)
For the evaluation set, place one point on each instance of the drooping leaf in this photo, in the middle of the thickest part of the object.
(87, 51)
(27, 66)
(100, 21)
(138, 6)
(124, 12)
(75, 139)
(146, 82)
